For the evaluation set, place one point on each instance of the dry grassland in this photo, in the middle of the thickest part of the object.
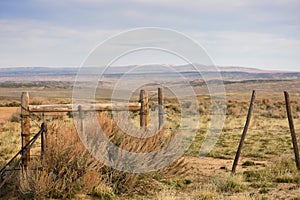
(266, 169)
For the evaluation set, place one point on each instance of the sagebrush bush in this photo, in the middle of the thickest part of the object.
(16, 117)
(68, 168)
(64, 168)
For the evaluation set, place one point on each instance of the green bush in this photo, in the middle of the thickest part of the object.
(16, 117)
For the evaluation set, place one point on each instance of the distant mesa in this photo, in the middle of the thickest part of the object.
(229, 73)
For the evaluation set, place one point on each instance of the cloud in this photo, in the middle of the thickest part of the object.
(182, 15)
(33, 43)
(53, 32)
(254, 49)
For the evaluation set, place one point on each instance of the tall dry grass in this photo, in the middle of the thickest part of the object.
(68, 168)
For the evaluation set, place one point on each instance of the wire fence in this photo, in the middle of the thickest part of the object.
(15, 163)
(237, 127)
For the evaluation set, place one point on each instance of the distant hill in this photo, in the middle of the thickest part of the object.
(37, 71)
(69, 73)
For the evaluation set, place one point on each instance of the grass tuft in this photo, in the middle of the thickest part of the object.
(229, 183)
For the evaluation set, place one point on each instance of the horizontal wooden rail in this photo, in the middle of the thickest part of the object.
(85, 107)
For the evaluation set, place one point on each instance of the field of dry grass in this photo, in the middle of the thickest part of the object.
(266, 168)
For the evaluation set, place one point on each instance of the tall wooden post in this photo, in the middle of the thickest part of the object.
(144, 109)
(146, 113)
(292, 129)
(238, 153)
(25, 126)
(43, 139)
(160, 109)
(81, 118)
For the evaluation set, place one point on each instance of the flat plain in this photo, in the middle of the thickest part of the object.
(266, 167)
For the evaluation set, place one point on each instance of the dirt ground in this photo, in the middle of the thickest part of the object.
(204, 169)
(6, 113)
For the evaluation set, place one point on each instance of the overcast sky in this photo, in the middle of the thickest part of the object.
(250, 33)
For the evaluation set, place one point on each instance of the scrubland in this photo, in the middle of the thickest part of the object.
(266, 168)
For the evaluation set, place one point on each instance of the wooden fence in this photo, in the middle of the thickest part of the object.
(142, 106)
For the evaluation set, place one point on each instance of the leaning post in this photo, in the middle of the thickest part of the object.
(238, 153)
(292, 129)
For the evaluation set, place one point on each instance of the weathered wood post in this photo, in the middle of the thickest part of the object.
(238, 153)
(80, 117)
(25, 127)
(160, 109)
(43, 139)
(144, 109)
(292, 129)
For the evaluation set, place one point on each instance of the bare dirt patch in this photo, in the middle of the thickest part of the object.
(6, 113)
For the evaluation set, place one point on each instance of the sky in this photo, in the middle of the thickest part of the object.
(52, 33)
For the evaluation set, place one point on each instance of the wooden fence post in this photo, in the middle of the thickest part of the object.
(25, 126)
(160, 109)
(43, 139)
(238, 153)
(144, 111)
(292, 129)
(80, 117)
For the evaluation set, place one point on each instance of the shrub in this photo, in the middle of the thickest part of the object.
(103, 192)
(64, 169)
(68, 168)
(12, 104)
(248, 163)
(16, 117)
(229, 183)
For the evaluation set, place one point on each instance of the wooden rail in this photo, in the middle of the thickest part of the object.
(86, 107)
